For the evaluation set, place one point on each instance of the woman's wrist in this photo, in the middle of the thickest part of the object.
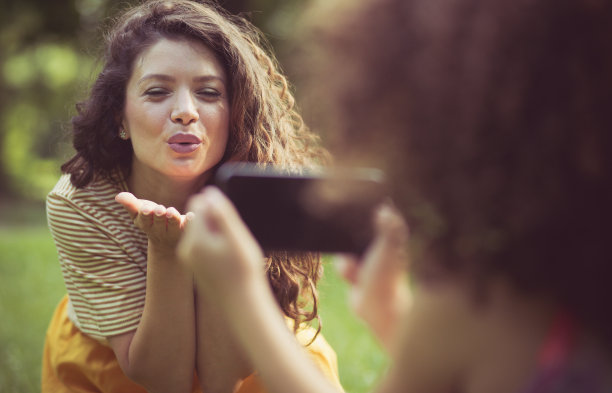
(162, 251)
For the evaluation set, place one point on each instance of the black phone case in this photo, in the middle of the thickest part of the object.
(325, 211)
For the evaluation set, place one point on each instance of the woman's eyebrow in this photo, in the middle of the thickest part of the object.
(162, 77)
(206, 78)
(168, 78)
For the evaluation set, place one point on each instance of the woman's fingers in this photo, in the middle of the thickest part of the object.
(380, 293)
(384, 257)
(174, 220)
(145, 217)
(159, 217)
(348, 267)
(161, 224)
(388, 253)
(391, 227)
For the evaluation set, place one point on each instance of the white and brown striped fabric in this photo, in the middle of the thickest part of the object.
(103, 256)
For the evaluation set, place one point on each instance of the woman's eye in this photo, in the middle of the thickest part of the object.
(209, 93)
(156, 92)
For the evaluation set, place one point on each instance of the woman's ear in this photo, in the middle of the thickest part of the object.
(123, 130)
(123, 134)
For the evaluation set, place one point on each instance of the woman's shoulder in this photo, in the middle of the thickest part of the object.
(99, 188)
(98, 196)
(95, 203)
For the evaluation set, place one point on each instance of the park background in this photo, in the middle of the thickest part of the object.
(48, 53)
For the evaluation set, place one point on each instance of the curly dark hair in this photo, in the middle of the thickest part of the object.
(264, 123)
(493, 121)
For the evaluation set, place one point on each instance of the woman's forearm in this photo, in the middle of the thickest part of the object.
(161, 355)
(220, 361)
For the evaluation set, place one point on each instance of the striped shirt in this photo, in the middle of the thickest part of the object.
(103, 256)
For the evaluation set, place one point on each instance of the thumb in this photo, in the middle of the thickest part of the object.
(129, 202)
(223, 217)
(222, 213)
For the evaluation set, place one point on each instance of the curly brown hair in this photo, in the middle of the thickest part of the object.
(492, 120)
(264, 123)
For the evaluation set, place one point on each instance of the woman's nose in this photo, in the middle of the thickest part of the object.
(184, 111)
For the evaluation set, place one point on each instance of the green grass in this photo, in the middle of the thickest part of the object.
(31, 285)
(361, 360)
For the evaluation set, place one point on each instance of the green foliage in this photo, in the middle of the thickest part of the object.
(34, 140)
(40, 69)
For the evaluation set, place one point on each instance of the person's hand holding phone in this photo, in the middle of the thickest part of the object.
(218, 247)
(380, 294)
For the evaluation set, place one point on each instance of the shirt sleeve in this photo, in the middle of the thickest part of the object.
(104, 271)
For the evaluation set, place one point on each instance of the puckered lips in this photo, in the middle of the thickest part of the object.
(184, 143)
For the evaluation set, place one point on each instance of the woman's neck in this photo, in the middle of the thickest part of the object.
(170, 192)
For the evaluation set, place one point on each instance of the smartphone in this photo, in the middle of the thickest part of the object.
(320, 210)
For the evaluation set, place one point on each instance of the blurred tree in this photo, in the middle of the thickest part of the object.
(47, 59)
(40, 71)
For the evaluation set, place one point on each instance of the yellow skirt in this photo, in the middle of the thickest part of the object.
(74, 362)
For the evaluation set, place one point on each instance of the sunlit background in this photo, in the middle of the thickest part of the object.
(48, 52)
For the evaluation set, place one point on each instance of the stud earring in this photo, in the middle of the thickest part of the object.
(122, 134)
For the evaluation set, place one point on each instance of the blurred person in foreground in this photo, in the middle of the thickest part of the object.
(184, 87)
(492, 120)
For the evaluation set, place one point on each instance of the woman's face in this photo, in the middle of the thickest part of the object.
(177, 110)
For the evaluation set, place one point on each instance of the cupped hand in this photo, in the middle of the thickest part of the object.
(163, 226)
(380, 294)
(217, 246)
